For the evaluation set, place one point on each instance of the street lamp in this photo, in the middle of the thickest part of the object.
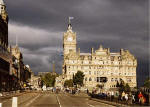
(16, 63)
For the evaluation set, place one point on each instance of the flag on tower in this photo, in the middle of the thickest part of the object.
(70, 18)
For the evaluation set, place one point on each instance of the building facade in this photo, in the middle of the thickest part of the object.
(99, 66)
(13, 72)
(5, 56)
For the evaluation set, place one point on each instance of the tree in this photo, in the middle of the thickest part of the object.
(123, 86)
(100, 86)
(127, 88)
(78, 78)
(49, 79)
(147, 83)
(68, 83)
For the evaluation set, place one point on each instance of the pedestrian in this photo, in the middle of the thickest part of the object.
(123, 96)
(142, 99)
(112, 96)
(133, 98)
(126, 97)
(87, 91)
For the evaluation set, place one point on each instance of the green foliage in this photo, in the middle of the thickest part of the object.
(127, 88)
(78, 78)
(147, 83)
(68, 83)
(100, 86)
(123, 86)
(49, 79)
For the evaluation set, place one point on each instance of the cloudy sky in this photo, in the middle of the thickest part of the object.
(39, 26)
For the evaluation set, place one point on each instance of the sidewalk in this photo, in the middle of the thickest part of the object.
(6, 95)
(110, 103)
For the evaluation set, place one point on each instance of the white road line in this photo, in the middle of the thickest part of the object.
(31, 101)
(58, 101)
(90, 105)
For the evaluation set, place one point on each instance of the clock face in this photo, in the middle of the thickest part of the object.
(69, 39)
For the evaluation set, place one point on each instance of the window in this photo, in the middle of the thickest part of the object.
(90, 72)
(98, 79)
(112, 58)
(112, 79)
(90, 79)
(128, 79)
(116, 79)
(85, 78)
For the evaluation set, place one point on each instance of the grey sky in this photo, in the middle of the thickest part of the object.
(39, 25)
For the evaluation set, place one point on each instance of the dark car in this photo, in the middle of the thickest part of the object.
(102, 95)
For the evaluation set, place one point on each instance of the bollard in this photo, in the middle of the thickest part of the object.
(0, 104)
(14, 102)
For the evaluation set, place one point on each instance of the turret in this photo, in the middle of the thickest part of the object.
(3, 12)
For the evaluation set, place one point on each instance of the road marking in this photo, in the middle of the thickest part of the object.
(90, 105)
(31, 101)
(58, 101)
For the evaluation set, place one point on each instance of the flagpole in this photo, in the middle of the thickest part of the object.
(69, 21)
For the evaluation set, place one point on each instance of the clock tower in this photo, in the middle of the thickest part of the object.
(69, 41)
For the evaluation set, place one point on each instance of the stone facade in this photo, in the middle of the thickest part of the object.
(5, 56)
(99, 66)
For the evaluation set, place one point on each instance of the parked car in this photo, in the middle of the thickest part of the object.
(102, 95)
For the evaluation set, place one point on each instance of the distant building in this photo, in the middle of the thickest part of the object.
(99, 66)
(27, 75)
(13, 72)
(35, 82)
(59, 81)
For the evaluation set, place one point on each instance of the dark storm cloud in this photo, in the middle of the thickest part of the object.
(39, 25)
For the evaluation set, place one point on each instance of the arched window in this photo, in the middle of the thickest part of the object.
(90, 79)
(112, 79)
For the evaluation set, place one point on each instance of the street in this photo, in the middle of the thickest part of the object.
(47, 99)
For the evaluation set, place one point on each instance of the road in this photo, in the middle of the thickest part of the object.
(47, 99)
